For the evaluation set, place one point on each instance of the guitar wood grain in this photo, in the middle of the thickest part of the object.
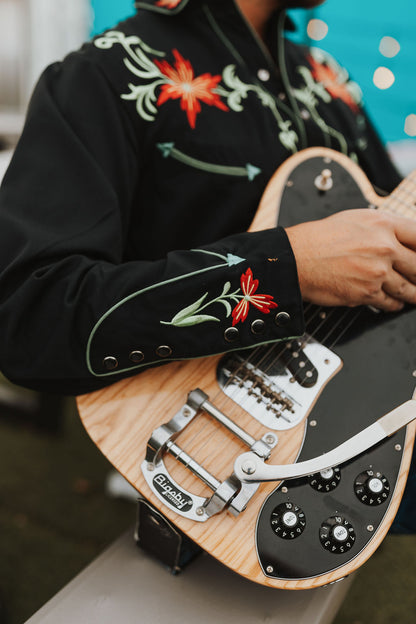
(121, 418)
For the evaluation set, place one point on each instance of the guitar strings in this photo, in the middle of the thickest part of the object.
(318, 309)
(326, 313)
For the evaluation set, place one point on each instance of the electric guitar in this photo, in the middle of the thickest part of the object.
(286, 462)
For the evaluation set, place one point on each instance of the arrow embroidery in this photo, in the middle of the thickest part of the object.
(169, 151)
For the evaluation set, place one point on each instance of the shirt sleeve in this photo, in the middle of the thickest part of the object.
(74, 315)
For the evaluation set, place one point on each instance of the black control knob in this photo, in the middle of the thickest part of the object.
(371, 487)
(326, 480)
(288, 520)
(337, 535)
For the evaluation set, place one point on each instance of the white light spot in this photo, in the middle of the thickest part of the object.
(383, 78)
(389, 46)
(410, 129)
(317, 29)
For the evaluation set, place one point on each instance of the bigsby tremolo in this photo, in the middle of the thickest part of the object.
(231, 494)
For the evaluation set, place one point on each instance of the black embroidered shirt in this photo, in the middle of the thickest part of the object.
(123, 215)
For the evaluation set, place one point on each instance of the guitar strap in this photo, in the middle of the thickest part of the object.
(157, 536)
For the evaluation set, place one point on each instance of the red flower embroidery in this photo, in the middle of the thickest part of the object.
(249, 286)
(332, 83)
(170, 4)
(182, 84)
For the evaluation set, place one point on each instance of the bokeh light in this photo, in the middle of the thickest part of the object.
(383, 78)
(317, 29)
(389, 47)
(410, 125)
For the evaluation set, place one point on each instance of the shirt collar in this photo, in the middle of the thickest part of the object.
(176, 6)
(162, 6)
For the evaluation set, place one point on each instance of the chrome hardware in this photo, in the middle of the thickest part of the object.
(230, 494)
(231, 334)
(359, 443)
(136, 357)
(268, 389)
(164, 351)
(324, 181)
(258, 326)
(282, 318)
(110, 363)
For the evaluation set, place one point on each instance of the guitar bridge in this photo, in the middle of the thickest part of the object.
(230, 494)
(278, 385)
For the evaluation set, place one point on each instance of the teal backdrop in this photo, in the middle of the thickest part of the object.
(355, 29)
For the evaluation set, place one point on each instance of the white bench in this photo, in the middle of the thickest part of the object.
(127, 586)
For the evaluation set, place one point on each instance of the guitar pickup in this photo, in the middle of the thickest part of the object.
(299, 365)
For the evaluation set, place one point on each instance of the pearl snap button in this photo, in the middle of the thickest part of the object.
(263, 75)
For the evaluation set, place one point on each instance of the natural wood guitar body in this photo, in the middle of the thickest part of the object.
(121, 418)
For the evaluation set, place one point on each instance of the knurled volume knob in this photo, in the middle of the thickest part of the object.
(288, 520)
(371, 487)
(326, 480)
(337, 535)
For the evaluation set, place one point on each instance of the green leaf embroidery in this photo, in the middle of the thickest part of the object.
(188, 311)
(194, 320)
(226, 288)
(227, 306)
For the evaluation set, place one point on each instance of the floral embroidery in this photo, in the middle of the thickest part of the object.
(191, 315)
(239, 90)
(169, 4)
(332, 82)
(249, 286)
(314, 90)
(181, 83)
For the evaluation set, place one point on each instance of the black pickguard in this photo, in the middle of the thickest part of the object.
(379, 358)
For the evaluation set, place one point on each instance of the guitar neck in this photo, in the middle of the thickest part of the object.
(403, 199)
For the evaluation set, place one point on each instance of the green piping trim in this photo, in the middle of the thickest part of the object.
(286, 81)
(169, 150)
(255, 88)
(329, 131)
(125, 370)
(229, 260)
(223, 37)
(256, 37)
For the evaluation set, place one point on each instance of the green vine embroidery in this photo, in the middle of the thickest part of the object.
(139, 64)
(169, 80)
(239, 91)
(326, 80)
(191, 315)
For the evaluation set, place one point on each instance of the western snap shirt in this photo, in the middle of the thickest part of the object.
(124, 212)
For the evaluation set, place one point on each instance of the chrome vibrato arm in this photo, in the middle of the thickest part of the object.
(230, 494)
(249, 467)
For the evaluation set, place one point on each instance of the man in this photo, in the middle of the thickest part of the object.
(142, 163)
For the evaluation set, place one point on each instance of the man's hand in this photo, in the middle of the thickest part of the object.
(357, 257)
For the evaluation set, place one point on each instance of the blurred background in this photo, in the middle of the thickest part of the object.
(59, 506)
